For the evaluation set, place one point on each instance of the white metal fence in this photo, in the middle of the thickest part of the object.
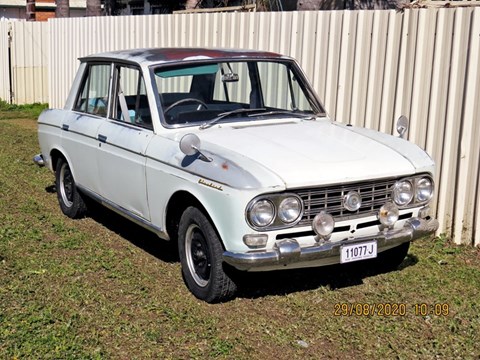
(29, 56)
(369, 67)
(4, 66)
(23, 69)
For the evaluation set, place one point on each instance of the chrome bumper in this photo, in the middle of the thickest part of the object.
(289, 251)
(38, 159)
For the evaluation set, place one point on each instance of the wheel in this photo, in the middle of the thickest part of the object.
(69, 198)
(200, 252)
(392, 258)
(183, 101)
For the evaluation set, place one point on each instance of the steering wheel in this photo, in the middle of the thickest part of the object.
(187, 100)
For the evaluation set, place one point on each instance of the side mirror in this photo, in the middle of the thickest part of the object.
(190, 145)
(402, 125)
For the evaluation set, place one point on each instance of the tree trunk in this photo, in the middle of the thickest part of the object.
(94, 8)
(191, 4)
(63, 9)
(30, 10)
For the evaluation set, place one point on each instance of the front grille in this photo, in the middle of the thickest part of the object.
(330, 199)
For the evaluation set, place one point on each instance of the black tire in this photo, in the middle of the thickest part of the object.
(200, 252)
(392, 258)
(70, 200)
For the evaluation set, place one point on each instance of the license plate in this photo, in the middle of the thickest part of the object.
(355, 252)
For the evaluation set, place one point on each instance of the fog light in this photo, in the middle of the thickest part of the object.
(255, 240)
(323, 224)
(388, 214)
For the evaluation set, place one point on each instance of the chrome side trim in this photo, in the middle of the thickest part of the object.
(289, 251)
(125, 213)
(38, 160)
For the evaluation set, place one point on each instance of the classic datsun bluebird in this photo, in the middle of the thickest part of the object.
(231, 154)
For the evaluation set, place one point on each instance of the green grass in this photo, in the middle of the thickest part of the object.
(12, 111)
(101, 288)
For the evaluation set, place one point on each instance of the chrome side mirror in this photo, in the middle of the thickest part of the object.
(190, 145)
(402, 126)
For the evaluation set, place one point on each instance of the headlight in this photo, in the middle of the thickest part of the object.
(402, 192)
(424, 189)
(261, 213)
(274, 211)
(289, 209)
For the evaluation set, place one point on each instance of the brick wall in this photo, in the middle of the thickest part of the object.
(44, 15)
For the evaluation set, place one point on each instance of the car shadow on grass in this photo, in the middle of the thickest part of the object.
(142, 238)
(331, 277)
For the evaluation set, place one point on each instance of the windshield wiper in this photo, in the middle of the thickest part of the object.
(226, 114)
(286, 112)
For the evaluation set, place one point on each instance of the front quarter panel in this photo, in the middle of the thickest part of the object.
(223, 188)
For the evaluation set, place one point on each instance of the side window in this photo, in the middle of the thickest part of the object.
(93, 97)
(131, 102)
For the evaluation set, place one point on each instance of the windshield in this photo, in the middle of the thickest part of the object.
(214, 92)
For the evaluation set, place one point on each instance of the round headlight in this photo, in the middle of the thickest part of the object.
(323, 224)
(424, 189)
(388, 214)
(261, 213)
(402, 192)
(289, 209)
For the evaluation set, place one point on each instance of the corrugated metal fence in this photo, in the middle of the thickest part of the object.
(4, 66)
(29, 48)
(24, 67)
(369, 67)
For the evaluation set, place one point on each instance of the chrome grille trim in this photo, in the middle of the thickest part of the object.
(330, 199)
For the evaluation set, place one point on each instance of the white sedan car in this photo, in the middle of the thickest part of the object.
(231, 154)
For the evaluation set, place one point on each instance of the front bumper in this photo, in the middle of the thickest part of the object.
(289, 251)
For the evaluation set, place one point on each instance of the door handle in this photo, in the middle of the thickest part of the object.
(102, 138)
(65, 127)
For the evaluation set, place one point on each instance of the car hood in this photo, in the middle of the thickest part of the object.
(307, 153)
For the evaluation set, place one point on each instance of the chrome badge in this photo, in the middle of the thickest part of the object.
(352, 201)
